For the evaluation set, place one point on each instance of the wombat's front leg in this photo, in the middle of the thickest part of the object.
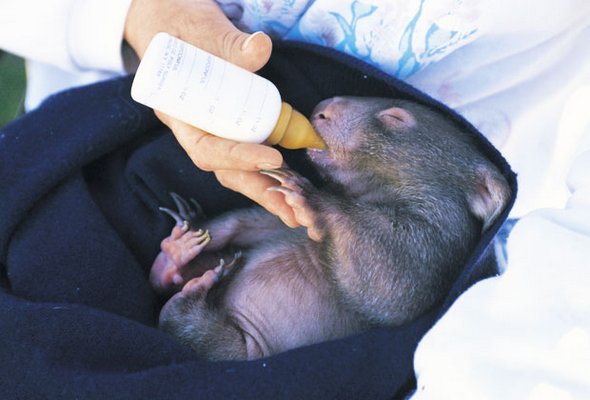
(174, 265)
(297, 190)
(369, 259)
(201, 285)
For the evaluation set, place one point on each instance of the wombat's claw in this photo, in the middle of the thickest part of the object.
(202, 236)
(281, 189)
(235, 260)
(280, 174)
(179, 220)
(189, 211)
(224, 269)
(219, 270)
(211, 277)
(291, 183)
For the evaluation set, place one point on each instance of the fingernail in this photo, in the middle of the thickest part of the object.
(267, 166)
(275, 189)
(177, 279)
(247, 41)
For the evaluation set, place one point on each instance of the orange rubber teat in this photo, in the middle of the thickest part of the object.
(294, 131)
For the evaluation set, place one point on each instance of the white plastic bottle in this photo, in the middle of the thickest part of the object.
(216, 96)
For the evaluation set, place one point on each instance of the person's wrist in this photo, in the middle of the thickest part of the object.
(129, 56)
(138, 25)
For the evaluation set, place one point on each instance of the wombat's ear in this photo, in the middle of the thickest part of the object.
(396, 117)
(488, 196)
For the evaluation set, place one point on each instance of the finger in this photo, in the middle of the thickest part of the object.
(211, 153)
(254, 186)
(165, 118)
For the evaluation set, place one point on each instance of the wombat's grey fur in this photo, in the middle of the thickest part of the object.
(407, 197)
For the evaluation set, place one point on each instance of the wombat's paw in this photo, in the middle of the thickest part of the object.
(202, 284)
(178, 250)
(184, 244)
(297, 190)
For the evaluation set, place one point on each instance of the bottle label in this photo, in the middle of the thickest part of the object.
(206, 91)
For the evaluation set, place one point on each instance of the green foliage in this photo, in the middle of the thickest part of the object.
(12, 87)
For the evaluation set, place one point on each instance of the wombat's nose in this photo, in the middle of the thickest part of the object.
(324, 109)
(319, 116)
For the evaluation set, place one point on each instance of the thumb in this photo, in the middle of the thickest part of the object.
(212, 31)
(249, 51)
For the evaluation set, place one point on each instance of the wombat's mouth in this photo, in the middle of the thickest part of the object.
(319, 127)
(320, 157)
(317, 150)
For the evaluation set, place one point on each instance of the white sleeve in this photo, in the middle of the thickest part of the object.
(74, 35)
(525, 334)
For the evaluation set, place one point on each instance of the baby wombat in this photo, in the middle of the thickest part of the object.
(406, 197)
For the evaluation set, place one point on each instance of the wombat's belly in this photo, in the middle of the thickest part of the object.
(284, 298)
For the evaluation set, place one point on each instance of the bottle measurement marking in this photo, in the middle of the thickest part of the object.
(167, 61)
(187, 82)
(244, 110)
(206, 71)
(217, 97)
(179, 58)
(208, 92)
(254, 127)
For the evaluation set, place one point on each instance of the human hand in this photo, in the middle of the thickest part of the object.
(203, 24)
(235, 165)
(200, 23)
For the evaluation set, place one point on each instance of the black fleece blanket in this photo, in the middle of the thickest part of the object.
(80, 182)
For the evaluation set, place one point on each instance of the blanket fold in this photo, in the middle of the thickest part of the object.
(81, 178)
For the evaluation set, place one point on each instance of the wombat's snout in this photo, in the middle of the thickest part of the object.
(326, 109)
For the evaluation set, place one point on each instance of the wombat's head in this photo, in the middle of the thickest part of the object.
(405, 145)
